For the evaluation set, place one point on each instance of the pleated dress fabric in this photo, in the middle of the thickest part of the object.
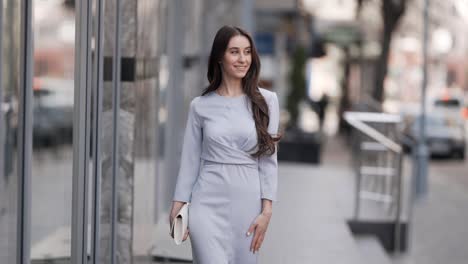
(222, 181)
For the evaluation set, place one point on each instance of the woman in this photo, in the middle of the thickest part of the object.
(228, 167)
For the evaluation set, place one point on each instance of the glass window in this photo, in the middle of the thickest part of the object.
(9, 89)
(52, 159)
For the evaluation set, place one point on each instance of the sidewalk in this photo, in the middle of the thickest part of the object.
(309, 222)
(439, 224)
(324, 195)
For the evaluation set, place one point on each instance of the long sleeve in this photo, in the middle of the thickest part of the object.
(268, 165)
(190, 158)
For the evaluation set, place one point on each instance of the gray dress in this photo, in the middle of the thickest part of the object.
(221, 180)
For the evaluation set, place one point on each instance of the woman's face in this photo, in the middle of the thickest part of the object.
(237, 57)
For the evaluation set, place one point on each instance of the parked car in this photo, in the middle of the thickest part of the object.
(449, 105)
(53, 112)
(445, 134)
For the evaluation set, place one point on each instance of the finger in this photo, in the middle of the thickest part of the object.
(252, 245)
(254, 240)
(171, 233)
(186, 235)
(171, 220)
(170, 230)
(259, 242)
(251, 229)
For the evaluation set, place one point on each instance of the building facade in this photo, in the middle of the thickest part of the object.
(94, 96)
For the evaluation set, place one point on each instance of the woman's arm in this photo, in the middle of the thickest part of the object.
(189, 163)
(176, 205)
(267, 207)
(260, 226)
(190, 158)
(268, 170)
(268, 164)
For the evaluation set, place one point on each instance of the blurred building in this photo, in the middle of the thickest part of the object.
(94, 100)
(357, 33)
(94, 97)
(447, 50)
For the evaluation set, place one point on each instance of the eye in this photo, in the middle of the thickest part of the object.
(247, 52)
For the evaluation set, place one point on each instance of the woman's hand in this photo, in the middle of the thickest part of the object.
(260, 226)
(176, 205)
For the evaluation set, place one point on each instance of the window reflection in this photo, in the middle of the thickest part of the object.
(52, 160)
(8, 128)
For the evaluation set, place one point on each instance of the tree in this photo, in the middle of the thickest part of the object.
(297, 82)
(392, 11)
(69, 3)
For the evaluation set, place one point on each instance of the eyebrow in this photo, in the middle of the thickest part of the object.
(239, 48)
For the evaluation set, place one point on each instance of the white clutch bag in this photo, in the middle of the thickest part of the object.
(180, 224)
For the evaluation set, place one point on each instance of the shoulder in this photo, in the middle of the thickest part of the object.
(195, 101)
(270, 96)
(195, 105)
(267, 93)
(201, 105)
(202, 102)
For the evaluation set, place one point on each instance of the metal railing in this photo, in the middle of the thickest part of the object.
(377, 160)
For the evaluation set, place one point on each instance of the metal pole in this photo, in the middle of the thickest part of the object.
(97, 88)
(397, 234)
(25, 130)
(2, 127)
(175, 94)
(81, 113)
(116, 69)
(422, 154)
(358, 153)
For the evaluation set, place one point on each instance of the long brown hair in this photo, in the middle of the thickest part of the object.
(266, 142)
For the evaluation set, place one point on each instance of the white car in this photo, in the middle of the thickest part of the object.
(445, 134)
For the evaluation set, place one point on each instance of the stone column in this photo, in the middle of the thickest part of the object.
(126, 117)
(136, 116)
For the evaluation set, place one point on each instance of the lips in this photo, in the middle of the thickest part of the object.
(241, 68)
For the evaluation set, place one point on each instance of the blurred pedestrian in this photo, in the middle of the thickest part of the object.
(322, 109)
(228, 169)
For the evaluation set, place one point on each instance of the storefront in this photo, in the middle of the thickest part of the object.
(79, 130)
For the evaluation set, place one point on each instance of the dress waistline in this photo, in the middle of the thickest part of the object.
(253, 165)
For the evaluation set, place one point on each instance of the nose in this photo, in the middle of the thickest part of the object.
(241, 57)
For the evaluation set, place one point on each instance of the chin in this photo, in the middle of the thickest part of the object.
(240, 75)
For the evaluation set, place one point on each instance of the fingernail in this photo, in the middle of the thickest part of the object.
(248, 233)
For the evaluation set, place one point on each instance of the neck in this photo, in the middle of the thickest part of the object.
(230, 86)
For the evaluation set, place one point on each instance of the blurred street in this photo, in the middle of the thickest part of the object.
(439, 223)
(323, 198)
(373, 105)
(309, 223)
